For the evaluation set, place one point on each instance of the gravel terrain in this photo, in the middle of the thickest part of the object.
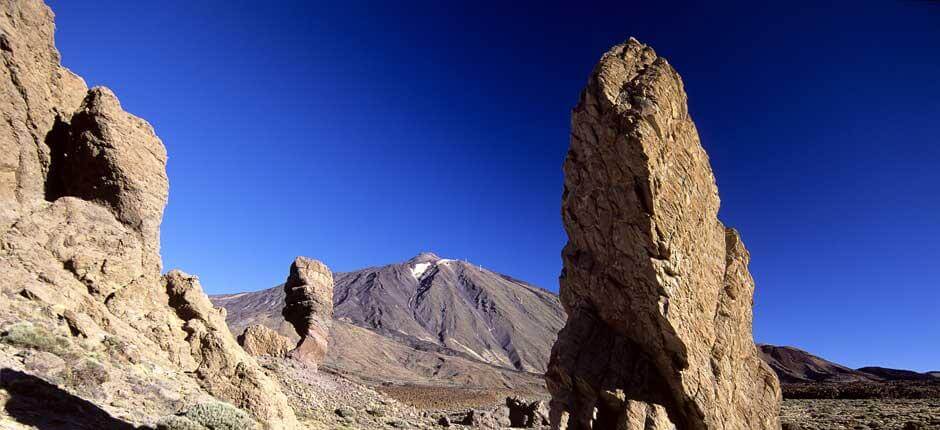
(826, 414)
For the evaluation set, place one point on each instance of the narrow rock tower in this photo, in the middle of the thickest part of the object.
(657, 290)
(308, 306)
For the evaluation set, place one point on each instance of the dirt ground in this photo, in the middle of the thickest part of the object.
(882, 414)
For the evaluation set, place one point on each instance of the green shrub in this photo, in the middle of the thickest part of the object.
(174, 422)
(209, 416)
(27, 335)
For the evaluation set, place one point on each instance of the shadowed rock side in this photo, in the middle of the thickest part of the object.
(656, 289)
(83, 305)
(308, 306)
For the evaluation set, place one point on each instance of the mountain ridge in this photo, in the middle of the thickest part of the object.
(794, 365)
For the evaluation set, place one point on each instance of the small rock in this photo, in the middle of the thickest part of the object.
(345, 412)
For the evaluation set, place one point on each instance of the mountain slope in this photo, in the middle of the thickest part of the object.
(427, 319)
(794, 365)
(454, 304)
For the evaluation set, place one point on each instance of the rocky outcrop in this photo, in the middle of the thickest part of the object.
(527, 414)
(108, 156)
(308, 306)
(223, 368)
(657, 291)
(36, 91)
(259, 340)
(83, 186)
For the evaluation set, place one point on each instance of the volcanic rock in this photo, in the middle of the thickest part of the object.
(657, 291)
(259, 340)
(308, 306)
(83, 186)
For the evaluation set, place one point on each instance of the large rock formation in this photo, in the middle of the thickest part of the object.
(83, 305)
(308, 306)
(657, 290)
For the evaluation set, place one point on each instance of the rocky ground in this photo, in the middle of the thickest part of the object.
(323, 400)
(833, 414)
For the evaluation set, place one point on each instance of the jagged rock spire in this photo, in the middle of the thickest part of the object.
(309, 308)
(656, 289)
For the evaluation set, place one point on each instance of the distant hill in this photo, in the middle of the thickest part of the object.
(793, 365)
(428, 320)
(886, 374)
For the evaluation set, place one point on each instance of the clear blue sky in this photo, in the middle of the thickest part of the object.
(362, 134)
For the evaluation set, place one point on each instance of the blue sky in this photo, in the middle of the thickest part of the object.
(363, 133)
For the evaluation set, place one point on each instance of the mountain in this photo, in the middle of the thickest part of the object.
(426, 320)
(897, 374)
(794, 365)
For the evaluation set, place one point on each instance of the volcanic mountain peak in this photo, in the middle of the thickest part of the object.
(424, 257)
(426, 308)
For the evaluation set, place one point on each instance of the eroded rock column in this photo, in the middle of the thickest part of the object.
(309, 308)
(657, 291)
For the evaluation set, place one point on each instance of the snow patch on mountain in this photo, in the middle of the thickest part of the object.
(418, 269)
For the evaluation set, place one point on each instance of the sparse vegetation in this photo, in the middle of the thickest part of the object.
(863, 390)
(28, 335)
(209, 416)
(86, 376)
(174, 422)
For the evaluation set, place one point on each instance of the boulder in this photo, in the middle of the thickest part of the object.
(526, 414)
(657, 290)
(308, 306)
(259, 340)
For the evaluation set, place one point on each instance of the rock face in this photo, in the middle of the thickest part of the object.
(657, 291)
(259, 340)
(83, 305)
(308, 306)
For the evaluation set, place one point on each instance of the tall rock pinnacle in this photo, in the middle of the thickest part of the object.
(308, 306)
(657, 290)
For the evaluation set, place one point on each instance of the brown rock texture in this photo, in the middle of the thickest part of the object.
(108, 156)
(259, 340)
(36, 90)
(223, 368)
(308, 306)
(657, 291)
(83, 307)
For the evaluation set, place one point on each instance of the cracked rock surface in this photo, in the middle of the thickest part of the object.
(308, 306)
(84, 312)
(657, 290)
